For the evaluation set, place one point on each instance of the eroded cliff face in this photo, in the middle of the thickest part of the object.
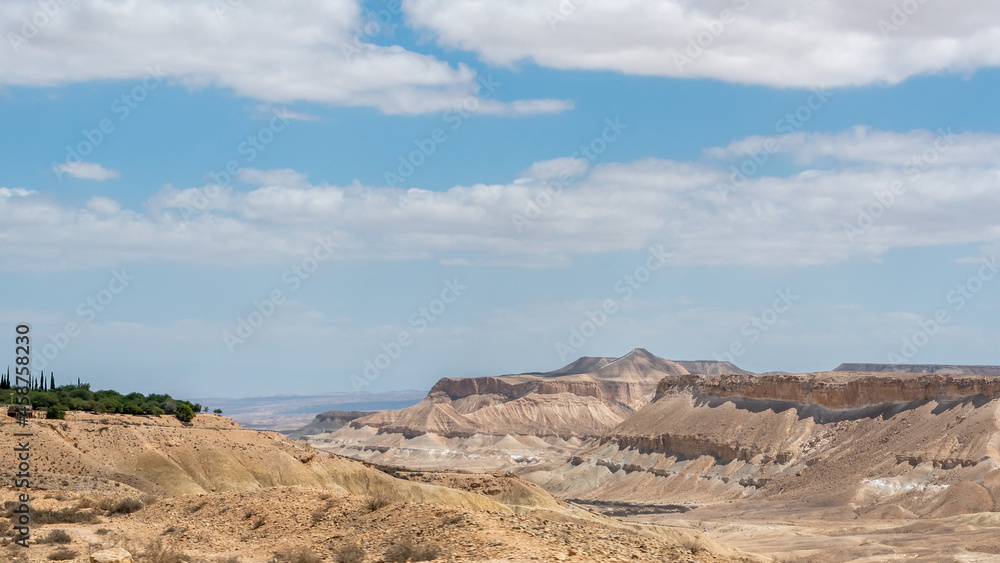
(582, 400)
(842, 389)
(853, 441)
(506, 421)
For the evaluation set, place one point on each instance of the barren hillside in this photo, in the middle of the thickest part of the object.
(214, 489)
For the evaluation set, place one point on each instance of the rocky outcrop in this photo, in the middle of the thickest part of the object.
(842, 389)
(691, 446)
(921, 368)
(516, 417)
(329, 421)
(837, 440)
(114, 555)
(505, 386)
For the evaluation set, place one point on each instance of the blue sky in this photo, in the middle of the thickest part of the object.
(414, 197)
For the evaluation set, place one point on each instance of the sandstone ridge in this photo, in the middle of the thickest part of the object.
(842, 389)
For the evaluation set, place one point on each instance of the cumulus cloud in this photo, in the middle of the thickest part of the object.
(85, 170)
(275, 52)
(864, 193)
(778, 43)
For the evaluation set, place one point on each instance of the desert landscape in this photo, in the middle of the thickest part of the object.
(499, 281)
(894, 464)
(635, 458)
(212, 491)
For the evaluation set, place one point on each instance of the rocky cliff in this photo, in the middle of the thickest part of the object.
(841, 389)
(844, 440)
(514, 419)
(921, 368)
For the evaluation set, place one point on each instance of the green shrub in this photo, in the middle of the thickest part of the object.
(42, 399)
(82, 393)
(132, 409)
(55, 413)
(185, 413)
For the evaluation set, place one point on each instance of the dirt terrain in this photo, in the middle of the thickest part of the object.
(216, 491)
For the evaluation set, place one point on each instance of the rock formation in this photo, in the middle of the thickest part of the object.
(509, 420)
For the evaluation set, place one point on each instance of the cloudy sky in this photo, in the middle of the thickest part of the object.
(239, 198)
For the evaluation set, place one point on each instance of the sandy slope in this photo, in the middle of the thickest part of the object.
(214, 488)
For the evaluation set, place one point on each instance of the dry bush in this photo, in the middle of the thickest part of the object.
(63, 554)
(156, 551)
(15, 554)
(377, 501)
(125, 506)
(229, 559)
(694, 545)
(350, 553)
(399, 552)
(404, 550)
(426, 552)
(86, 502)
(300, 554)
(64, 516)
(57, 536)
(317, 515)
(258, 523)
(198, 506)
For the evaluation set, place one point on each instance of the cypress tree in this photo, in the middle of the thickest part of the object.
(52, 381)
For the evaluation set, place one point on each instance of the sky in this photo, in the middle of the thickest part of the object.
(240, 198)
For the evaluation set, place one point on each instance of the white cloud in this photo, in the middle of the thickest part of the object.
(6, 193)
(767, 219)
(85, 170)
(266, 111)
(553, 169)
(275, 52)
(771, 42)
(103, 206)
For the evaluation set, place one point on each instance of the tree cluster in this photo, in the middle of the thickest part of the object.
(56, 401)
